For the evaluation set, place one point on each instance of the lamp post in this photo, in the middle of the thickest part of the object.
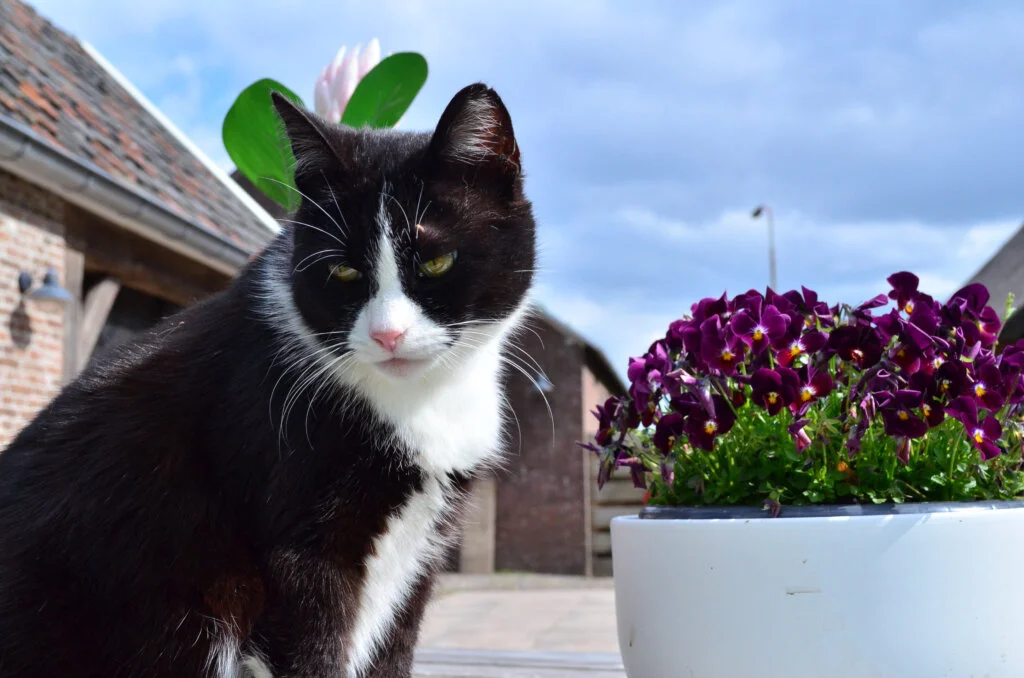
(766, 210)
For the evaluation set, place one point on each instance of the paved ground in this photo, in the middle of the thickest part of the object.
(522, 625)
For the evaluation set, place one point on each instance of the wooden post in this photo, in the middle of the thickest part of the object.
(98, 302)
(477, 553)
(74, 270)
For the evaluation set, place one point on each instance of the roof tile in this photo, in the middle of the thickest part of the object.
(49, 83)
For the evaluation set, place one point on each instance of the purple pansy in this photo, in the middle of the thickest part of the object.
(720, 347)
(984, 433)
(899, 416)
(773, 389)
(702, 427)
(758, 328)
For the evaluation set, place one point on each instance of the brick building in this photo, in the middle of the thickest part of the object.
(1003, 274)
(96, 184)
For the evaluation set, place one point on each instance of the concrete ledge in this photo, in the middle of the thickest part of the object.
(515, 581)
(434, 663)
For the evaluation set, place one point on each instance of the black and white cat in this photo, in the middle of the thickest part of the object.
(265, 483)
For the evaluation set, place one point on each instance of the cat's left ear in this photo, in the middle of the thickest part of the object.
(310, 138)
(475, 136)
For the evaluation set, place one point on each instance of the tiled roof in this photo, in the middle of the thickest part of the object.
(50, 84)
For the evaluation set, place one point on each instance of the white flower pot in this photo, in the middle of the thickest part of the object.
(912, 591)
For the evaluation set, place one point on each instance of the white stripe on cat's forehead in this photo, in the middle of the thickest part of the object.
(389, 283)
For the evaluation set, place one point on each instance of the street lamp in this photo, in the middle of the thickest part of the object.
(767, 212)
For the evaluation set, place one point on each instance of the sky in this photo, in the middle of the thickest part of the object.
(884, 135)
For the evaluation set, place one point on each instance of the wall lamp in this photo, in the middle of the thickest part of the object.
(50, 292)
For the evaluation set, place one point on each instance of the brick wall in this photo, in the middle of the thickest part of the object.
(541, 515)
(31, 334)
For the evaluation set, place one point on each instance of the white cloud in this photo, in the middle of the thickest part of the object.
(649, 129)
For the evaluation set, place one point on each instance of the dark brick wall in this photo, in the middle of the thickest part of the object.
(540, 504)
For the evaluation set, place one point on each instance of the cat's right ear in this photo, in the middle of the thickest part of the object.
(309, 138)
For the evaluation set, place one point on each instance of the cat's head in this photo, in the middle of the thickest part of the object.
(410, 252)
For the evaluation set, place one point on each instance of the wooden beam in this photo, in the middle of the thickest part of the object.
(146, 278)
(142, 265)
(96, 309)
(74, 270)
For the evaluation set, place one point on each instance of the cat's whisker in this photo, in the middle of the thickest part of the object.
(523, 370)
(344, 231)
(308, 376)
(511, 344)
(405, 215)
(338, 365)
(416, 212)
(330, 254)
(526, 326)
(315, 228)
(314, 371)
(305, 361)
(318, 205)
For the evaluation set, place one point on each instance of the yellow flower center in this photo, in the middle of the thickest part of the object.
(903, 415)
(979, 436)
(773, 398)
(979, 389)
(727, 356)
(795, 350)
(806, 393)
(937, 363)
(710, 427)
(758, 334)
(909, 308)
(902, 353)
(944, 384)
(926, 408)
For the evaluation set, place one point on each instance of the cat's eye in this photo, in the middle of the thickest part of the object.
(438, 266)
(345, 273)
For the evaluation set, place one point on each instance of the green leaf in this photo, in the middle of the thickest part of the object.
(382, 97)
(254, 138)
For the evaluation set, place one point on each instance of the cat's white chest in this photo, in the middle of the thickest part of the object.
(400, 555)
(454, 425)
(457, 428)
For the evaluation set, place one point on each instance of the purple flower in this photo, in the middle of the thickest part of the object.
(774, 390)
(951, 378)
(757, 328)
(862, 313)
(719, 346)
(702, 427)
(790, 349)
(817, 385)
(644, 374)
(983, 434)
(903, 450)
(988, 387)
(606, 415)
(668, 430)
(904, 290)
(858, 344)
(979, 322)
(898, 415)
(934, 412)
(806, 302)
(800, 437)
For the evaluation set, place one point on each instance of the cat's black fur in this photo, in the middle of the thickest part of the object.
(153, 504)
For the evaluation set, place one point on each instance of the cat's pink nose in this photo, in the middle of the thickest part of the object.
(388, 339)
